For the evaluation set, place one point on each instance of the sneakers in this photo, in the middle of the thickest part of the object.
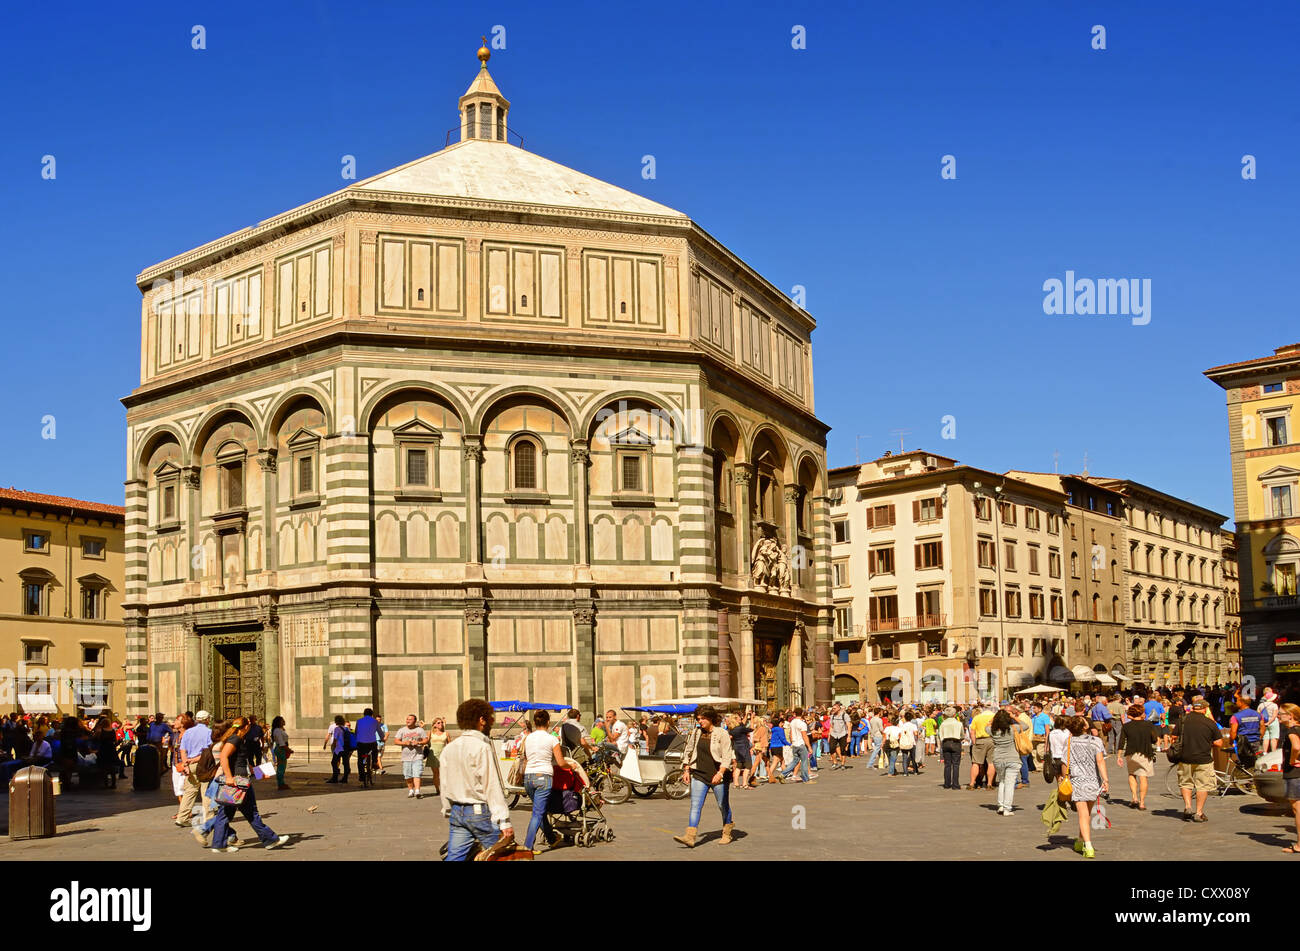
(419, 795)
(278, 842)
(410, 794)
(200, 836)
(1089, 852)
(229, 848)
(1078, 846)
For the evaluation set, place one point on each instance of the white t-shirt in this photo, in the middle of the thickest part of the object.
(795, 730)
(1057, 739)
(618, 735)
(539, 748)
(891, 734)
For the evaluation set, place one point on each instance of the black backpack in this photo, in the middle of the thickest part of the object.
(206, 769)
(1245, 752)
(349, 741)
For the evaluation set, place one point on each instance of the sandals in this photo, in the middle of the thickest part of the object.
(1292, 849)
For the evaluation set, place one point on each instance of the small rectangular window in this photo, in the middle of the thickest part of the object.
(1275, 431)
(92, 657)
(92, 547)
(1273, 387)
(631, 474)
(234, 485)
(169, 503)
(33, 598)
(306, 471)
(417, 467)
(35, 653)
(90, 604)
(841, 527)
(37, 541)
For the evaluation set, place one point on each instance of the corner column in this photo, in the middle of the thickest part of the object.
(270, 659)
(744, 521)
(584, 630)
(580, 455)
(745, 656)
(473, 450)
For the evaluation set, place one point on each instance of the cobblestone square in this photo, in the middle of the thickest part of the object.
(853, 814)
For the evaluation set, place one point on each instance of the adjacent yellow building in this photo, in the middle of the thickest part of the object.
(1263, 404)
(61, 583)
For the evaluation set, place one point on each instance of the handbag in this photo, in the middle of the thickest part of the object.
(231, 795)
(1024, 742)
(1175, 751)
(516, 777)
(1065, 787)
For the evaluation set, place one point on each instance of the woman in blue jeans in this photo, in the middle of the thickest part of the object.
(706, 765)
(542, 754)
(236, 755)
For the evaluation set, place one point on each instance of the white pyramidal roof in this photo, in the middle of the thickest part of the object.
(497, 171)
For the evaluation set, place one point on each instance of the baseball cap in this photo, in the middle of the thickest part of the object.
(1198, 703)
(201, 716)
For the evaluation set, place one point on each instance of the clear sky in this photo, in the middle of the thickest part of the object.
(821, 167)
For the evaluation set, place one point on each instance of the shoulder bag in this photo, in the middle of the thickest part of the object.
(1065, 787)
(1024, 742)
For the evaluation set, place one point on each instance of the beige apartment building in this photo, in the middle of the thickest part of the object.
(1263, 401)
(1174, 605)
(481, 425)
(944, 578)
(1231, 604)
(1095, 580)
(61, 635)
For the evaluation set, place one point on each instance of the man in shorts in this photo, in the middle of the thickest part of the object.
(1268, 711)
(840, 724)
(1200, 735)
(982, 770)
(412, 739)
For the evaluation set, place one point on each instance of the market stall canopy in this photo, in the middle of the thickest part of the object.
(1039, 688)
(716, 701)
(673, 708)
(523, 706)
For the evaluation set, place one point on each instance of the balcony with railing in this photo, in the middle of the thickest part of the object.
(919, 622)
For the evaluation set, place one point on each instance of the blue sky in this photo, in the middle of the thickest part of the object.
(820, 167)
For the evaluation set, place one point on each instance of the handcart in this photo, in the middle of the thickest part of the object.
(653, 772)
(515, 793)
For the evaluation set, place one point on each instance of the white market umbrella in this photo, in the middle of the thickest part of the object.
(1039, 688)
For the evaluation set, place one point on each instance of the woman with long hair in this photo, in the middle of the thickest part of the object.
(438, 740)
(1288, 715)
(1085, 767)
(744, 764)
(280, 751)
(1006, 759)
(233, 765)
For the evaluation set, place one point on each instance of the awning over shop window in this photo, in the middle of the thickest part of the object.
(1106, 680)
(1083, 673)
(37, 703)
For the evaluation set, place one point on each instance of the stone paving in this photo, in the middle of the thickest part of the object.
(846, 814)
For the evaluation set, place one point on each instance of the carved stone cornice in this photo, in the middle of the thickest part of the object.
(749, 621)
(267, 459)
(584, 616)
(190, 477)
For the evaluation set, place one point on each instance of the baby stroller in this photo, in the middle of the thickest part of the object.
(574, 807)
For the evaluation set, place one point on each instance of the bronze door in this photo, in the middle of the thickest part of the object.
(237, 676)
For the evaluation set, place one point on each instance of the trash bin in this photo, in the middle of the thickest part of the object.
(31, 804)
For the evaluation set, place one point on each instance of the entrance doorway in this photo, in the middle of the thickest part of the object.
(237, 671)
(771, 672)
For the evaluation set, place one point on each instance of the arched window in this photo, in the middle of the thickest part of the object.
(524, 464)
(1096, 607)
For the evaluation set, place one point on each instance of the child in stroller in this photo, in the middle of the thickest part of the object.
(574, 807)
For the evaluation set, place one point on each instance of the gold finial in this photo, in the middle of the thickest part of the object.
(484, 54)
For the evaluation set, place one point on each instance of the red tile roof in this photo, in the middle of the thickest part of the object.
(1291, 350)
(58, 501)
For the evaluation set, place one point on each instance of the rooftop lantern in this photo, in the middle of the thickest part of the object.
(483, 109)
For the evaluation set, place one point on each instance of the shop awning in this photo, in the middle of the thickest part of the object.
(37, 703)
(1106, 680)
(1084, 673)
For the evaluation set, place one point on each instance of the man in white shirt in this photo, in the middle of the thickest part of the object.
(797, 732)
(473, 790)
(892, 733)
(615, 731)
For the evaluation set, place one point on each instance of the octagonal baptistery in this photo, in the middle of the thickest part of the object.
(478, 426)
